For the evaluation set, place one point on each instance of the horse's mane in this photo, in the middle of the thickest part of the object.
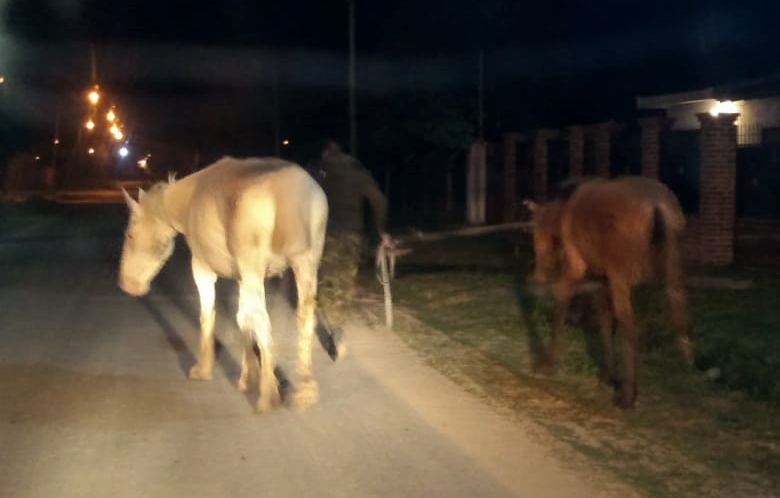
(566, 188)
(152, 199)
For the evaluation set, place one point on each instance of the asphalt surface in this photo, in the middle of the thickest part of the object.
(95, 401)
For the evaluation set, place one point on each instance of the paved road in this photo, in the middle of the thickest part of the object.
(94, 399)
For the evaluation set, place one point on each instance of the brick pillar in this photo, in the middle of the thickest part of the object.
(601, 135)
(576, 151)
(650, 142)
(510, 173)
(541, 137)
(717, 180)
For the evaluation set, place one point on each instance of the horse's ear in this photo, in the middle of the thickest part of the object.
(530, 205)
(131, 203)
(171, 176)
(141, 194)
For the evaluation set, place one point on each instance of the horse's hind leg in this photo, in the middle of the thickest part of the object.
(629, 335)
(606, 319)
(204, 281)
(250, 364)
(306, 390)
(253, 319)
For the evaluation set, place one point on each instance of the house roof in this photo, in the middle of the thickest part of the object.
(768, 86)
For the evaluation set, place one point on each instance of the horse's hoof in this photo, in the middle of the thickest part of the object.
(607, 382)
(545, 367)
(198, 373)
(624, 402)
(246, 380)
(341, 350)
(305, 395)
(268, 402)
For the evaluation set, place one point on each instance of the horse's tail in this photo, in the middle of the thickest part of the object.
(658, 233)
(668, 244)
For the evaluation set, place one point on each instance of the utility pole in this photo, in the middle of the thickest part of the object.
(351, 77)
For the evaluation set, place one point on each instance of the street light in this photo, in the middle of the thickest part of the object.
(94, 95)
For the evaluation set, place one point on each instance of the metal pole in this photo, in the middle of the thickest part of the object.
(277, 125)
(56, 140)
(352, 103)
(481, 96)
(93, 62)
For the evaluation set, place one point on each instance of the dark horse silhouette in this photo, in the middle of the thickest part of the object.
(622, 231)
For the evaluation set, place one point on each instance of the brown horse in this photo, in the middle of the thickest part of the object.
(623, 232)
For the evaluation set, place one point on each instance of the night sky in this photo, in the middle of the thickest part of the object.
(197, 71)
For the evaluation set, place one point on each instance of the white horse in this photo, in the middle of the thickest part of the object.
(244, 219)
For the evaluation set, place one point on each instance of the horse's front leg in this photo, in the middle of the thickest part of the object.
(253, 320)
(204, 281)
(562, 291)
(306, 390)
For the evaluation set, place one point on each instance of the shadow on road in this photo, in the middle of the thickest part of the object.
(185, 357)
(229, 365)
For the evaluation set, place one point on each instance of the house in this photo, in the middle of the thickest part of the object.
(756, 101)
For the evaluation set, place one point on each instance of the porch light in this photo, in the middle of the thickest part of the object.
(724, 107)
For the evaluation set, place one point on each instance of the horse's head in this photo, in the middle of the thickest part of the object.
(149, 241)
(548, 249)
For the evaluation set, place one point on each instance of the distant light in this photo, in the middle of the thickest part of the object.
(93, 96)
(724, 107)
(285, 142)
(142, 163)
(111, 116)
(56, 141)
(2, 79)
(37, 158)
(90, 125)
(123, 151)
(90, 151)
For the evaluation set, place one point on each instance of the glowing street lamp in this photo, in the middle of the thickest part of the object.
(94, 95)
(90, 125)
(111, 116)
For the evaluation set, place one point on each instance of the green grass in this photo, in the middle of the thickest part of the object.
(463, 304)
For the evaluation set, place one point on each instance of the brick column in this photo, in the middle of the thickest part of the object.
(510, 141)
(576, 151)
(717, 179)
(540, 162)
(601, 134)
(650, 142)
